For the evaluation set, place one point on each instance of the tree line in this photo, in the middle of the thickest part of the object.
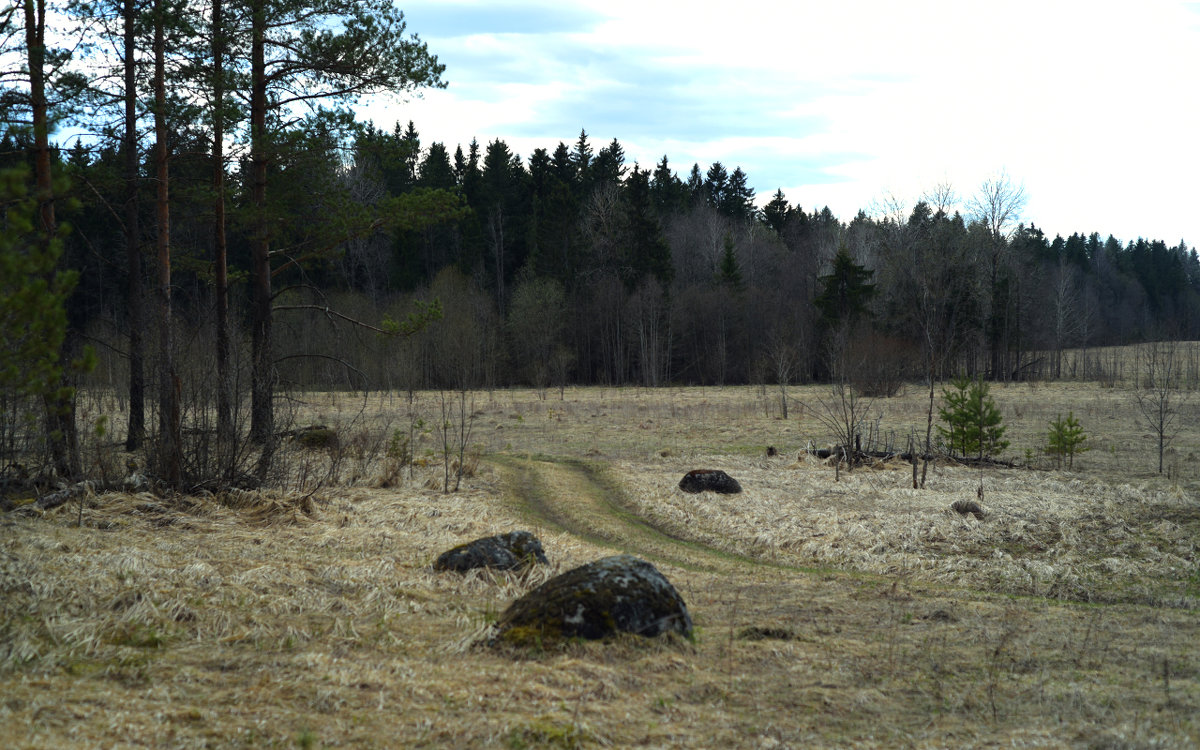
(233, 229)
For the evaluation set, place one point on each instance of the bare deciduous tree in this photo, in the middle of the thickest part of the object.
(846, 410)
(997, 207)
(942, 197)
(650, 320)
(781, 353)
(1067, 320)
(1158, 390)
(454, 431)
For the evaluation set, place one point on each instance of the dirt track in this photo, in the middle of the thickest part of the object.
(597, 514)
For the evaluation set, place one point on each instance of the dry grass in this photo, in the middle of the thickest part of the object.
(857, 612)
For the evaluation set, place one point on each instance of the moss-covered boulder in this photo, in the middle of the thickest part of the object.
(709, 480)
(515, 549)
(316, 436)
(619, 594)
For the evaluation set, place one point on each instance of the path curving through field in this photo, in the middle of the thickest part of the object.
(579, 498)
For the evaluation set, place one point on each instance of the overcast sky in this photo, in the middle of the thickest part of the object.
(1092, 106)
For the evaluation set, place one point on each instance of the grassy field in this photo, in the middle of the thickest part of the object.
(831, 609)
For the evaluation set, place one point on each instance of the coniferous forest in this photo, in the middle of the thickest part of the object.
(225, 228)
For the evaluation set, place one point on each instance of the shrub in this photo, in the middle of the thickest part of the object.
(974, 425)
(1066, 439)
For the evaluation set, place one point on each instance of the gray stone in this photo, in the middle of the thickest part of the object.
(611, 595)
(515, 549)
(709, 480)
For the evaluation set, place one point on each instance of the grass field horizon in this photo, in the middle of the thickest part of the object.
(831, 608)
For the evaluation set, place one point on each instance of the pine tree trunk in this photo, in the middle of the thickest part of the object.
(225, 425)
(170, 450)
(262, 415)
(59, 403)
(133, 253)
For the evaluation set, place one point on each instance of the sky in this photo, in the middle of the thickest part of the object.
(1091, 107)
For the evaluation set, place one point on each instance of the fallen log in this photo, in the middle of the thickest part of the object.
(838, 452)
(64, 496)
(861, 456)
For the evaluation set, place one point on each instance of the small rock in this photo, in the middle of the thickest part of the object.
(503, 551)
(709, 480)
(614, 594)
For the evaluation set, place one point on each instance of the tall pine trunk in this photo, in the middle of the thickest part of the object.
(59, 402)
(170, 450)
(133, 252)
(262, 412)
(225, 424)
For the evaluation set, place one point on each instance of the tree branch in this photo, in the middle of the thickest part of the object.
(331, 313)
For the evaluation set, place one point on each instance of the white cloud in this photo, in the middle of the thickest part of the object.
(1091, 105)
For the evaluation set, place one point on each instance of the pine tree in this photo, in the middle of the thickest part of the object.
(974, 425)
(46, 88)
(460, 165)
(540, 172)
(33, 319)
(331, 53)
(1066, 439)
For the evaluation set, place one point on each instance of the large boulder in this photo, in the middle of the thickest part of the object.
(504, 551)
(614, 594)
(709, 480)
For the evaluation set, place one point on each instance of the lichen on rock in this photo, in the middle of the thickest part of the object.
(619, 594)
(515, 549)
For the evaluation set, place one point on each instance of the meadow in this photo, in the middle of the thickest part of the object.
(832, 608)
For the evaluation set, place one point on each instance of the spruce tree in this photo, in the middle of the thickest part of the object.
(777, 211)
(846, 290)
(649, 253)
